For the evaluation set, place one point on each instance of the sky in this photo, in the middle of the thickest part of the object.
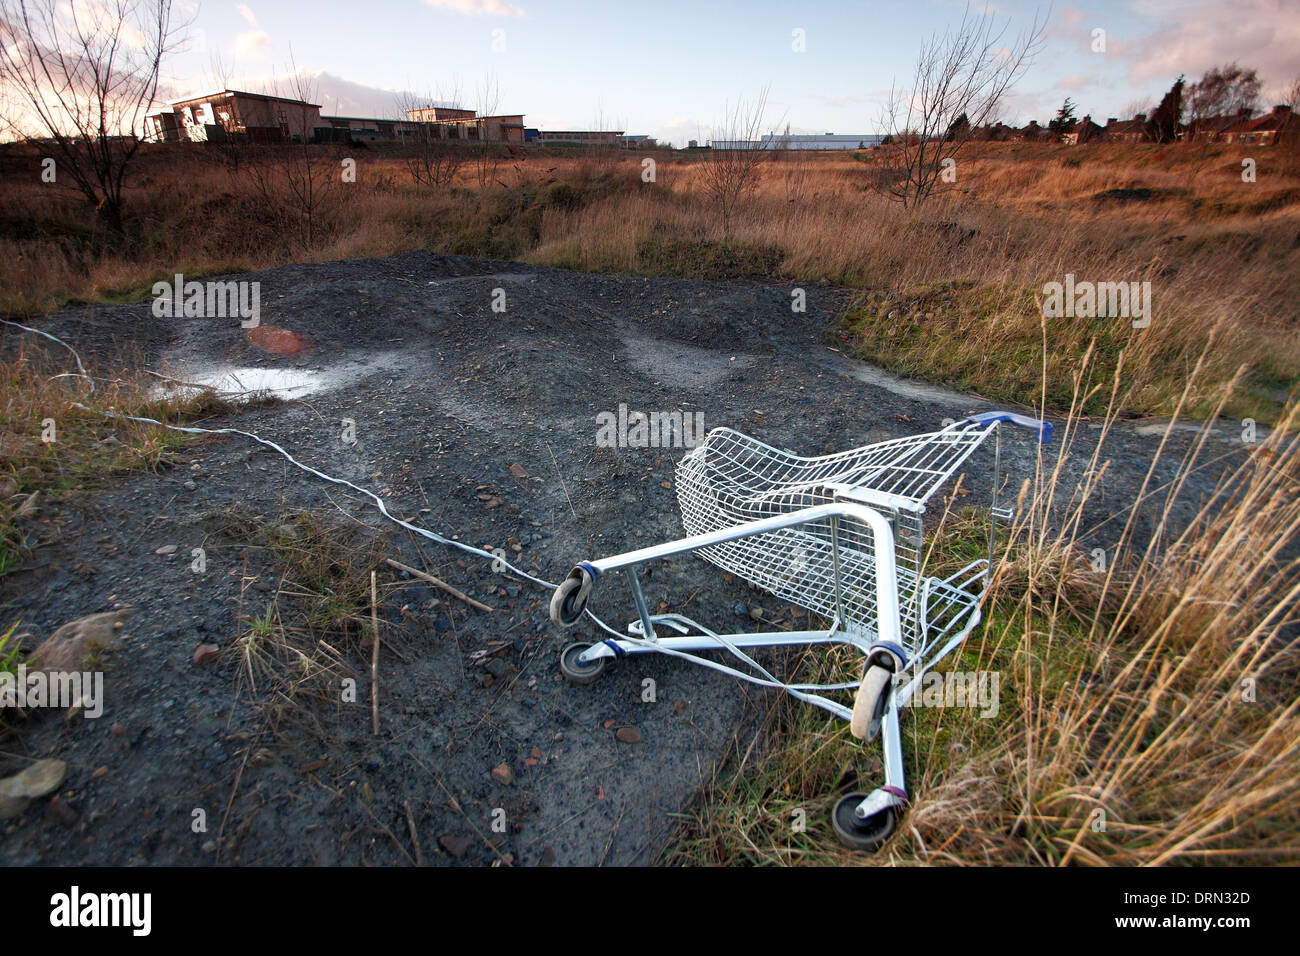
(672, 68)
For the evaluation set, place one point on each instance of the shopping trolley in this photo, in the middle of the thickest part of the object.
(839, 535)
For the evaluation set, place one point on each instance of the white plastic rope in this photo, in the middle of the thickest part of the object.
(767, 679)
(81, 370)
(379, 502)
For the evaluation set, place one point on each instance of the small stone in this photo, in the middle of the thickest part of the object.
(58, 811)
(548, 856)
(40, 778)
(166, 549)
(12, 806)
(190, 485)
(740, 610)
(457, 846)
(205, 652)
(502, 773)
(99, 772)
(628, 735)
(756, 613)
(68, 647)
(210, 846)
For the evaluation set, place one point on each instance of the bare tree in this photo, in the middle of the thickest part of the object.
(794, 167)
(964, 72)
(1138, 108)
(487, 158)
(301, 183)
(431, 158)
(738, 150)
(80, 78)
(1291, 95)
(1225, 91)
(230, 143)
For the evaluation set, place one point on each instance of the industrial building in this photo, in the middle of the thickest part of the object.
(452, 123)
(780, 141)
(585, 137)
(263, 118)
(342, 129)
(214, 117)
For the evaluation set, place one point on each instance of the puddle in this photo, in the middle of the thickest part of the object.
(286, 383)
(280, 382)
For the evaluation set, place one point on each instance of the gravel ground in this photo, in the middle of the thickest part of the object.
(476, 423)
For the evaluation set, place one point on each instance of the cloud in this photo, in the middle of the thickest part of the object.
(1076, 81)
(251, 43)
(478, 8)
(1188, 39)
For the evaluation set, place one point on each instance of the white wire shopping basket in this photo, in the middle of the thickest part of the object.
(839, 535)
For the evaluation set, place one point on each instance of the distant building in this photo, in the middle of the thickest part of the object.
(163, 126)
(360, 129)
(226, 114)
(1085, 131)
(1210, 129)
(588, 137)
(453, 123)
(792, 141)
(1031, 132)
(1262, 131)
(994, 133)
(1127, 131)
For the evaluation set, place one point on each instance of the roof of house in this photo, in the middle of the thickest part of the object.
(216, 94)
(369, 119)
(1268, 123)
(1121, 127)
(1215, 124)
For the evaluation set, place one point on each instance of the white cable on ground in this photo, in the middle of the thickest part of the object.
(767, 679)
(81, 370)
(379, 502)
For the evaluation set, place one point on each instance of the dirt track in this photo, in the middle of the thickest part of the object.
(446, 396)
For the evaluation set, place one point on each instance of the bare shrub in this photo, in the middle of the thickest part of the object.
(960, 79)
(731, 170)
(81, 79)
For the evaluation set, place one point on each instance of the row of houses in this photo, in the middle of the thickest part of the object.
(1258, 131)
(1242, 129)
(263, 118)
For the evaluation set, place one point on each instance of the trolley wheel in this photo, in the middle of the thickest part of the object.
(869, 834)
(576, 671)
(869, 703)
(566, 606)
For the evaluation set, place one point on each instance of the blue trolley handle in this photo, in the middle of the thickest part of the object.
(1044, 429)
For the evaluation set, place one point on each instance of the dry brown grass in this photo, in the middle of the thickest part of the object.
(55, 440)
(1223, 256)
(1148, 712)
